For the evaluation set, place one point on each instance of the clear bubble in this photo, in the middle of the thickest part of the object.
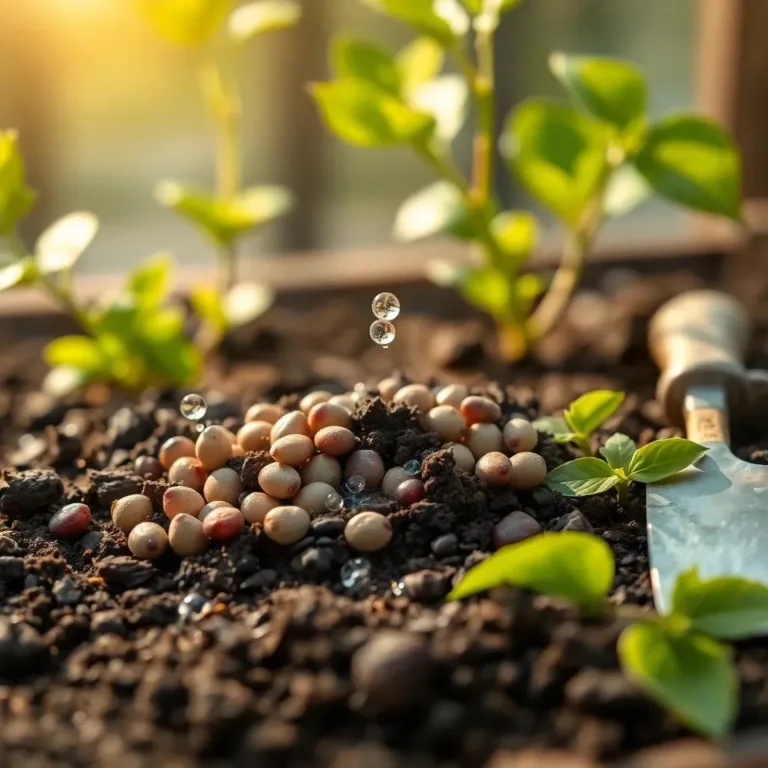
(193, 407)
(334, 502)
(382, 332)
(413, 467)
(355, 571)
(355, 484)
(398, 588)
(386, 306)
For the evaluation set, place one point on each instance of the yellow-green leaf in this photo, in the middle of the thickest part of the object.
(517, 233)
(663, 458)
(188, 22)
(16, 198)
(446, 98)
(436, 209)
(586, 476)
(253, 19)
(21, 272)
(586, 413)
(78, 352)
(488, 289)
(418, 62)
(365, 61)
(63, 243)
(150, 282)
(209, 307)
(419, 14)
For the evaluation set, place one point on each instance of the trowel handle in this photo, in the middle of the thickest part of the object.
(699, 339)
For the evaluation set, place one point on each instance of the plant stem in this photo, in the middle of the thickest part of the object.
(622, 489)
(483, 87)
(227, 266)
(582, 443)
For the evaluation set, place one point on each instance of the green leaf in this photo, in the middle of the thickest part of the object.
(364, 115)
(246, 301)
(419, 62)
(187, 22)
(446, 98)
(517, 233)
(488, 289)
(528, 288)
(663, 458)
(557, 153)
(611, 90)
(263, 16)
(626, 190)
(16, 198)
(22, 272)
(479, 6)
(691, 675)
(618, 451)
(420, 14)
(365, 61)
(436, 209)
(693, 161)
(586, 476)
(209, 307)
(555, 426)
(78, 352)
(63, 243)
(150, 282)
(588, 412)
(728, 607)
(573, 565)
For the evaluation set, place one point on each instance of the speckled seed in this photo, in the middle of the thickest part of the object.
(345, 401)
(182, 501)
(70, 522)
(409, 492)
(188, 471)
(392, 479)
(313, 498)
(528, 470)
(280, 481)
(328, 415)
(147, 541)
(520, 435)
(308, 402)
(462, 456)
(368, 532)
(174, 449)
(186, 536)
(254, 435)
(293, 423)
(482, 439)
(335, 441)
(148, 467)
(265, 412)
(368, 464)
(479, 410)
(223, 485)
(453, 394)
(388, 388)
(213, 447)
(286, 525)
(446, 422)
(210, 506)
(417, 395)
(256, 505)
(293, 450)
(131, 510)
(494, 468)
(322, 469)
(223, 524)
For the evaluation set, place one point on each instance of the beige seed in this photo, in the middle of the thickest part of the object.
(446, 422)
(180, 500)
(293, 423)
(308, 402)
(214, 448)
(223, 485)
(322, 469)
(256, 505)
(388, 388)
(131, 510)
(280, 481)
(453, 394)
(416, 395)
(230, 434)
(368, 464)
(175, 448)
(293, 450)
(147, 541)
(335, 441)
(188, 471)
(392, 479)
(479, 410)
(494, 468)
(186, 536)
(528, 470)
(254, 435)
(520, 435)
(328, 415)
(313, 498)
(462, 456)
(265, 412)
(210, 506)
(345, 401)
(368, 532)
(482, 439)
(286, 525)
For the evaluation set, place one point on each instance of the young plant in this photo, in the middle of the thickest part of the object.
(584, 163)
(678, 660)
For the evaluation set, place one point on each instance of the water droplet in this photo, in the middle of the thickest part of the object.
(192, 605)
(193, 407)
(334, 502)
(398, 588)
(354, 572)
(200, 427)
(382, 332)
(413, 467)
(355, 484)
(386, 306)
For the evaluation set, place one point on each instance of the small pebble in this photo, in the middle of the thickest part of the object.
(314, 498)
(520, 435)
(479, 410)
(330, 527)
(494, 469)
(483, 438)
(265, 412)
(70, 522)
(355, 572)
(293, 450)
(302, 544)
(316, 561)
(148, 467)
(321, 469)
(130, 511)
(7, 545)
(426, 586)
(293, 423)
(214, 447)
(528, 470)
(256, 505)
(66, 592)
(147, 541)
(186, 536)
(92, 540)
(308, 402)
(368, 532)
(254, 436)
(193, 604)
(575, 521)
(180, 500)
(409, 492)
(416, 395)
(188, 471)
(223, 524)
(286, 525)
(368, 464)
(335, 441)
(515, 527)
(445, 545)
(223, 485)
(328, 415)
(175, 448)
(453, 395)
(280, 481)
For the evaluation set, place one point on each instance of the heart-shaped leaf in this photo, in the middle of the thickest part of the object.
(63, 243)
(586, 476)
(253, 19)
(150, 282)
(664, 458)
(588, 412)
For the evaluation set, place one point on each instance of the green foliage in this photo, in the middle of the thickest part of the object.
(419, 14)
(366, 61)
(418, 63)
(253, 19)
(437, 208)
(187, 22)
(585, 414)
(60, 246)
(586, 476)
(16, 198)
(663, 458)
(618, 451)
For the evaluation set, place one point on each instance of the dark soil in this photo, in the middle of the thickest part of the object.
(250, 655)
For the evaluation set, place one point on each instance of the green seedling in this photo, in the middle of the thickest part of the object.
(678, 660)
(584, 162)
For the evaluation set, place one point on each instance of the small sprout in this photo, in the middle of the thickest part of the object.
(482, 439)
(186, 536)
(355, 572)
(368, 465)
(479, 410)
(314, 498)
(328, 415)
(382, 332)
(529, 470)
(463, 457)
(494, 469)
(392, 478)
(223, 485)
(519, 435)
(70, 522)
(265, 412)
(148, 541)
(223, 524)
(335, 441)
(368, 532)
(256, 505)
(322, 469)
(214, 447)
(280, 481)
(293, 450)
(314, 398)
(180, 500)
(175, 448)
(417, 396)
(453, 394)
(293, 423)
(409, 492)
(148, 467)
(386, 306)
(188, 471)
(193, 407)
(388, 388)
(286, 525)
(131, 510)
(446, 422)
(254, 436)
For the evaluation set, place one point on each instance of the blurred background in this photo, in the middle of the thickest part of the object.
(106, 108)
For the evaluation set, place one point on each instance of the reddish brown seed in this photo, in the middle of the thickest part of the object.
(265, 412)
(480, 410)
(368, 532)
(214, 447)
(131, 510)
(409, 492)
(321, 469)
(254, 435)
(188, 471)
(482, 439)
(256, 505)
(528, 470)
(148, 467)
(328, 415)
(223, 524)
(314, 498)
(293, 450)
(494, 468)
(392, 478)
(335, 441)
(180, 500)
(368, 464)
(462, 456)
(147, 541)
(186, 536)
(308, 402)
(446, 422)
(174, 449)
(416, 395)
(286, 525)
(453, 394)
(280, 481)
(388, 388)
(223, 485)
(293, 423)
(520, 435)
(70, 522)
(210, 506)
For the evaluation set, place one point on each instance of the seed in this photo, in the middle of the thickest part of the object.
(382, 332)
(293, 450)
(223, 485)
(392, 479)
(147, 541)
(174, 449)
(256, 505)
(345, 401)
(355, 571)
(446, 422)
(482, 439)
(368, 532)
(193, 407)
(223, 524)
(264, 412)
(334, 502)
(328, 415)
(280, 481)
(335, 441)
(453, 394)
(182, 501)
(313, 498)
(131, 510)
(355, 484)
(237, 451)
(386, 306)
(286, 525)
(494, 468)
(213, 447)
(209, 507)
(186, 536)
(148, 467)
(70, 522)
(230, 434)
(528, 470)
(462, 456)
(409, 492)
(188, 471)
(254, 435)
(416, 395)
(520, 435)
(322, 469)
(368, 464)
(388, 388)
(293, 423)
(480, 410)
(308, 402)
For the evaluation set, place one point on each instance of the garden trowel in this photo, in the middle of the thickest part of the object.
(715, 515)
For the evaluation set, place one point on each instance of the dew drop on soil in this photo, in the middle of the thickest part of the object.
(193, 407)
(192, 605)
(382, 332)
(355, 484)
(355, 571)
(386, 306)
(334, 502)
(413, 467)
(398, 588)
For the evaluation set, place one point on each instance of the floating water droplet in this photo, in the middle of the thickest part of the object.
(192, 605)
(200, 427)
(398, 588)
(334, 502)
(386, 306)
(354, 572)
(413, 467)
(193, 407)
(382, 332)
(355, 484)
